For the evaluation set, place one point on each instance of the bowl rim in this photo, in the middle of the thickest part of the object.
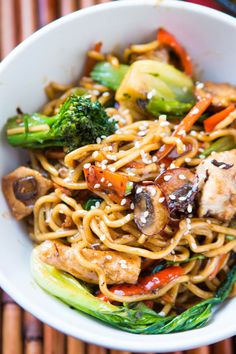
(131, 343)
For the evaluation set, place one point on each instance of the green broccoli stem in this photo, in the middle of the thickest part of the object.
(79, 122)
(157, 105)
(222, 144)
(32, 134)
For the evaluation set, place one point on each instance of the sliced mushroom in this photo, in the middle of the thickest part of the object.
(22, 188)
(179, 189)
(150, 211)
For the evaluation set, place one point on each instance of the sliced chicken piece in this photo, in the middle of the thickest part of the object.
(118, 267)
(217, 183)
(22, 188)
(223, 93)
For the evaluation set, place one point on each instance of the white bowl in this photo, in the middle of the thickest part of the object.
(57, 52)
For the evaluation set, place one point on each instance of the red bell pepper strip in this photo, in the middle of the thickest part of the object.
(211, 122)
(168, 39)
(90, 62)
(146, 284)
(105, 180)
(186, 124)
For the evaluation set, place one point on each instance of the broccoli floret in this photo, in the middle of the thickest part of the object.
(79, 122)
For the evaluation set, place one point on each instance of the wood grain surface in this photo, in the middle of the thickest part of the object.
(21, 333)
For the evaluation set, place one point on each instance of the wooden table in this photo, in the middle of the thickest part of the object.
(20, 331)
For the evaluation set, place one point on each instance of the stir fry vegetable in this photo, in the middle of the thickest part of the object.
(105, 180)
(186, 124)
(222, 144)
(169, 39)
(79, 122)
(135, 318)
(148, 283)
(211, 122)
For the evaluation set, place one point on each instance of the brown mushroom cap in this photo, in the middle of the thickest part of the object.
(25, 189)
(150, 211)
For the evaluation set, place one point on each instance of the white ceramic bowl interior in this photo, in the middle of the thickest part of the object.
(57, 52)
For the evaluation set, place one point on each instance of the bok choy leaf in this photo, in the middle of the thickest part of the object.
(134, 318)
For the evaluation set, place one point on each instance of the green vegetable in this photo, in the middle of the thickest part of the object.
(129, 188)
(158, 105)
(165, 264)
(109, 75)
(79, 122)
(135, 318)
(222, 144)
(90, 202)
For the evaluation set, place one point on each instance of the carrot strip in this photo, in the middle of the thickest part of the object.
(169, 39)
(220, 264)
(211, 122)
(147, 284)
(186, 124)
(105, 180)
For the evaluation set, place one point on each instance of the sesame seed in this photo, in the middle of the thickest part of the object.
(95, 154)
(164, 124)
(98, 140)
(97, 185)
(102, 238)
(208, 221)
(143, 219)
(146, 213)
(131, 174)
(139, 190)
(109, 148)
(123, 201)
(189, 208)
(222, 166)
(199, 85)
(162, 165)
(111, 168)
(154, 158)
(127, 217)
(193, 133)
(137, 144)
(153, 191)
(161, 199)
(181, 176)
(195, 110)
(105, 94)
(142, 127)
(142, 133)
(187, 159)
(162, 314)
(109, 257)
(200, 149)
(87, 165)
(182, 132)
(181, 199)
(119, 292)
(194, 246)
(167, 178)
(151, 94)
(132, 206)
(104, 162)
(109, 184)
(97, 204)
(103, 179)
(201, 156)
(172, 196)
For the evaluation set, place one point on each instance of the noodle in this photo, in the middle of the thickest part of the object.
(198, 245)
